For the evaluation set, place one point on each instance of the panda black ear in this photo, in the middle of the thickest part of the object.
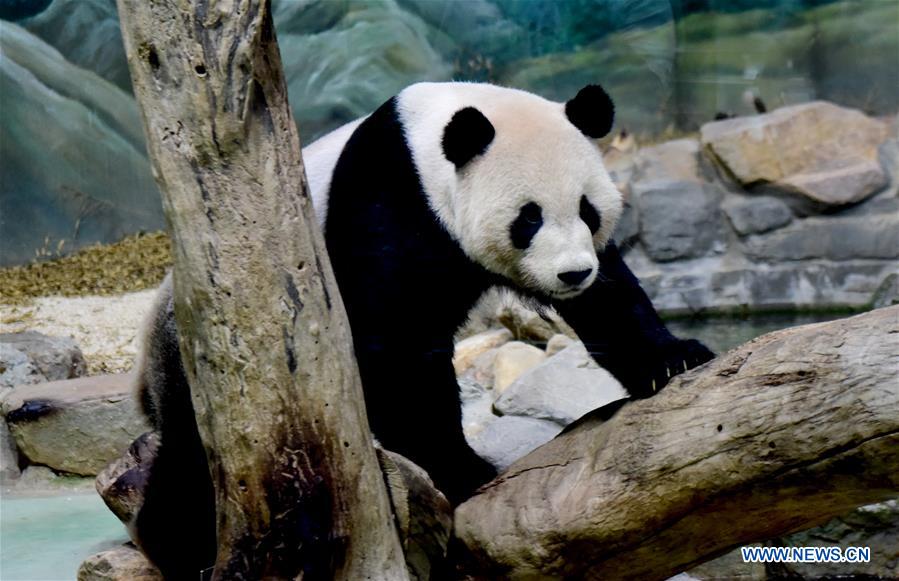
(591, 111)
(467, 135)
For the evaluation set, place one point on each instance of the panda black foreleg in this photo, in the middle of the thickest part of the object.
(413, 407)
(623, 332)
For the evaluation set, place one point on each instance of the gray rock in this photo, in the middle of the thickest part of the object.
(41, 480)
(477, 407)
(875, 526)
(561, 389)
(508, 438)
(37, 478)
(755, 215)
(887, 294)
(680, 220)
(9, 455)
(74, 170)
(882, 203)
(735, 284)
(31, 357)
(76, 425)
(124, 563)
(831, 237)
(793, 149)
(16, 368)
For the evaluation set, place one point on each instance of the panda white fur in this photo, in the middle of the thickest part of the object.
(445, 191)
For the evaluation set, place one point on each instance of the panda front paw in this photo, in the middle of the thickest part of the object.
(648, 377)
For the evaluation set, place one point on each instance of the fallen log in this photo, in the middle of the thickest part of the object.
(778, 435)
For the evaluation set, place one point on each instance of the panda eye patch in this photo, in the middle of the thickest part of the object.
(526, 225)
(590, 215)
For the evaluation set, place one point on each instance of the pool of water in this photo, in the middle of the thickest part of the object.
(45, 538)
(725, 333)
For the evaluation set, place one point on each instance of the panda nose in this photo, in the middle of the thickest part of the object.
(574, 277)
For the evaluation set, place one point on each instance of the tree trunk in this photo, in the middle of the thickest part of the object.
(780, 434)
(264, 335)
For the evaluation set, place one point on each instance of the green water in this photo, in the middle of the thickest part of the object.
(725, 333)
(45, 538)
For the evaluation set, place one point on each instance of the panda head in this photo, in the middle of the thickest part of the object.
(517, 180)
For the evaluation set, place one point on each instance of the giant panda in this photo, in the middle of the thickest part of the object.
(446, 190)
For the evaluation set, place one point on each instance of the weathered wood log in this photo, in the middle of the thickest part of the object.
(264, 335)
(778, 435)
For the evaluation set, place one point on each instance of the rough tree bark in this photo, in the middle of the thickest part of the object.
(264, 335)
(778, 435)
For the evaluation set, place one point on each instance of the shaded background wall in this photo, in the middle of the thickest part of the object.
(73, 169)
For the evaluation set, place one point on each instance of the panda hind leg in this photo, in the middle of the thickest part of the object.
(175, 526)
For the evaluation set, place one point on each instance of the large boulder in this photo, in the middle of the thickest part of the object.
(794, 149)
(561, 389)
(74, 169)
(30, 357)
(76, 425)
(680, 220)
